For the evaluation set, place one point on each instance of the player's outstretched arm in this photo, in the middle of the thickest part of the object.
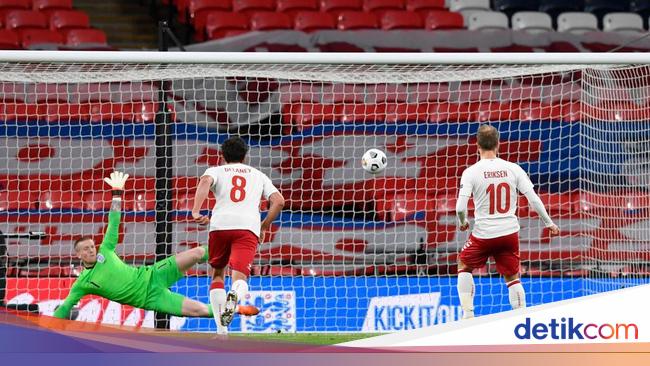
(276, 203)
(117, 180)
(536, 203)
(202, 191)
(63, 311)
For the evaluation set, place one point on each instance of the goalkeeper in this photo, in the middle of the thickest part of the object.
(145, 287)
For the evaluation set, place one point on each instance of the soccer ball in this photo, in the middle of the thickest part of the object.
(374, 161)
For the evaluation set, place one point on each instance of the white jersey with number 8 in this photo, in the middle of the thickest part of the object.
(238, 189)
(494, 184)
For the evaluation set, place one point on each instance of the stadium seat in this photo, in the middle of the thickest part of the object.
(60, 200)
(51, 5)
(9, 5)
(343, 93)
(641, 7)
(291, 7)
(139, 112)
(555, 7)
(220, 24)
(301, 116)
(532, 22)
(423, 7)
(69, 19)
(25, 19)
(9, 40)
(624, 23)
(400, 19)
(46, 93)
(509, 7)
(16, 200)
(86, 37)
(444, 20)
(467, 7)
(487, 21)
(387, 93)
(601, 7)
(265, 21)
(41, 39)
(355, 20)
(379, 7)
(406, 112)
(198, 11)
(337, 6)
(140, 201)
(577, 23)
(250, 6)
(309, 21)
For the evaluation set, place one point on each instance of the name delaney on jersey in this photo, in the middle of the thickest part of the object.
(569, 328)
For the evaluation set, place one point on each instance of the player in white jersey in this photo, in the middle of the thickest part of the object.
(494, 183)
(235, 225)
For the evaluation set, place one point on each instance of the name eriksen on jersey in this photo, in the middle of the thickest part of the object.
(496, 174)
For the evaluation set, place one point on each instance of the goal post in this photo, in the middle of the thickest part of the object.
(351, 251)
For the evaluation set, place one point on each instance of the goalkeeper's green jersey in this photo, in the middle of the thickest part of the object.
(110, 277)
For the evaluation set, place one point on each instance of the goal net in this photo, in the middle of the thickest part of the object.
(351, 251)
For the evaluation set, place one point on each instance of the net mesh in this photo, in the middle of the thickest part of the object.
(351, 251)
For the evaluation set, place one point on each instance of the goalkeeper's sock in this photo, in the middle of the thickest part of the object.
(466, 289)
(218, 300)
(241, 289)
(516, 294)
(206, 254)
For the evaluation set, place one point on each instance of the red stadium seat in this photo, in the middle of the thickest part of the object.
(309, 21)
(51, 5)
(140, 201)
(250, 6)
(15, 4)
(40, 39)
(423, 7)
(96, 201)
(25, 19)
(198, 13)
(16, 200)
(264, 21)
(140, 112)
(291, 7)
(185, 202)
(47, 93)
(337, 6)
(403, 206)
(302, 116)
(443, 20)
(355, 20)
(9, 40)
(69, 19)
(380, 6)
(363, 113)
(85, 37)
(221, 25)
(383, 93)
(60, 200)
(404, 112)
(400, 19)
(343, 93)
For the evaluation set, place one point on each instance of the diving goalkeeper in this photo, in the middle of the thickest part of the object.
(145, 287)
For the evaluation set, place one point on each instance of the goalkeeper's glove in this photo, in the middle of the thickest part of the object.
(117, 181)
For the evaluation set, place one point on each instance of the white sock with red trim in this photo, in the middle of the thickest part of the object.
(466, 290)
(516, 294)
(217, 301)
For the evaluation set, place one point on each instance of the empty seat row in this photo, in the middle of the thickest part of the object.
(224, 24)
(139, 112)
(46, 38)
(571, 22)
(40, 5)
(57, 20)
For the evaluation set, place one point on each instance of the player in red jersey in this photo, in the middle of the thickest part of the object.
(494, 184)
(235, 227)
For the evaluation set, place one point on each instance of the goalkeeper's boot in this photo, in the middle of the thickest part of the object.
(229, 308)
(247, 310)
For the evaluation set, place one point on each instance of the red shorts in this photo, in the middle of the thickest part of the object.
(236, 248)
(504, 249)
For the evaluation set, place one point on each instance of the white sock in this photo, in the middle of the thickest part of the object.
(218, 300)
(516, 294)
(466, 294)
(241, 289)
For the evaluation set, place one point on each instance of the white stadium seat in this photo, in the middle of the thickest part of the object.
(577, 23)
(532, 22)
(488, 21)
(627, 23)
(466, 7)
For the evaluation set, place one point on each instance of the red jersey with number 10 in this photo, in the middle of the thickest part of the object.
(494, 184)
(238, 189)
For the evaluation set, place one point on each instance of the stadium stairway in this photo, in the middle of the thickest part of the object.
(127, 23)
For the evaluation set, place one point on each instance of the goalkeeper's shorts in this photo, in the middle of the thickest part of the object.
(165, 273)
